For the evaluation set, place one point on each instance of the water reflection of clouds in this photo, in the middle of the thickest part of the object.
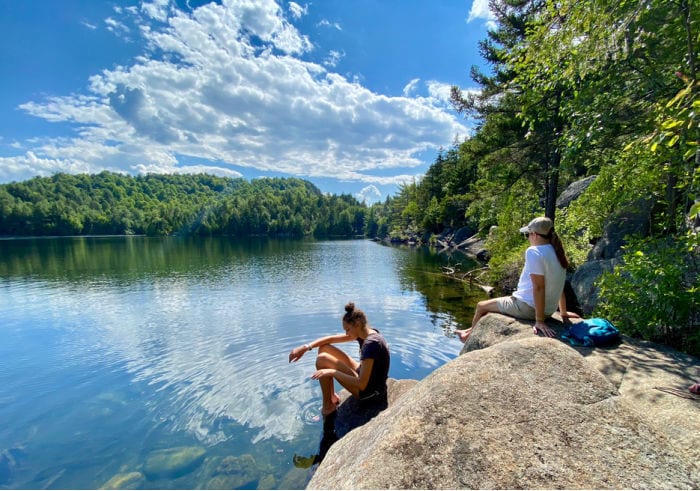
(233, 366)
(215, 352)
(239, 369)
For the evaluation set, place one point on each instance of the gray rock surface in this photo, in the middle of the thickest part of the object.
(633, 219)
(520, 411)
(583, 282)
(351, 415)
(573, 191)
(128, 480)
(172, 463)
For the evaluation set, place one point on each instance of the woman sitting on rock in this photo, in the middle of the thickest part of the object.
(366, 379)
(541, 285)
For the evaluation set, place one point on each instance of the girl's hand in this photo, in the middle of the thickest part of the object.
(567, 315)
(324, 372)
(297, 353)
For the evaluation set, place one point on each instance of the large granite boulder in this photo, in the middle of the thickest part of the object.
(633, 219)
(573, 191)
(583, 282)
(520, 411)
(351, 414)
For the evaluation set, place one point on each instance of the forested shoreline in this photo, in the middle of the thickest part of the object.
(180, 204)
(576, 89)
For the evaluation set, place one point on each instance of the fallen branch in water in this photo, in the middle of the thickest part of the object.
(471, 276)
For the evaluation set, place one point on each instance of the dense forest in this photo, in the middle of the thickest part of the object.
(576, 88)
(109, 203)
(580, 88)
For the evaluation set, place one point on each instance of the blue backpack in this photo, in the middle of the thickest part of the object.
(592, 332)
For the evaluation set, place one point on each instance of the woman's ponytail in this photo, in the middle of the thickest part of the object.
(559, 249)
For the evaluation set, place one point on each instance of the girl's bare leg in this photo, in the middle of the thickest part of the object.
(331, 357)
(327, 389)
(463, 334)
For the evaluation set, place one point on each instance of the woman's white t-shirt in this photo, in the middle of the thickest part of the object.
(542, 260)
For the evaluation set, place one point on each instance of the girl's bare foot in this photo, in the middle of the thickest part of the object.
(325, 412)
(335, 400)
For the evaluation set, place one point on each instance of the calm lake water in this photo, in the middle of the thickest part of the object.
(163, 362)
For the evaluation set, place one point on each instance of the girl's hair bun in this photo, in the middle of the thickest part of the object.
(354, 316)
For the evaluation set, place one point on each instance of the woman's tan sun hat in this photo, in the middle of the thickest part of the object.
(540, 226)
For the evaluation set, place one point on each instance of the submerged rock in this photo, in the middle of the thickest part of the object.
(267, 482)
(234, 472)
(295, 478)
(130, 480)
(172, 463)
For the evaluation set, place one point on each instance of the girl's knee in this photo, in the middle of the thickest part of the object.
(324, 360)
(324, 349)
(482, 307)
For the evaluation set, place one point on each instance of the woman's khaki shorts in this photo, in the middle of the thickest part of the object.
(513, 307)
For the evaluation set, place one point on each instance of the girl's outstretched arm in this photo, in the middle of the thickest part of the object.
(299, 351)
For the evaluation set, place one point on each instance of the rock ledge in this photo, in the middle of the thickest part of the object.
(520, 411)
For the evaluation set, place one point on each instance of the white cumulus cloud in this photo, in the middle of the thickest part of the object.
(227, 84)
(297, 10)
(410, 88)
(480, 10)
(369, 194)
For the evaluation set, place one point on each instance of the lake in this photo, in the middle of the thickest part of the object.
(162, 363)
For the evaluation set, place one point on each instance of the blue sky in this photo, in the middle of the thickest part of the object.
(349, 94)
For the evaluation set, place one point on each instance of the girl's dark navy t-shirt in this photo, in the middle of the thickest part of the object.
(376, 348)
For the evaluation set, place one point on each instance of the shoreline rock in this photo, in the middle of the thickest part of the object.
(521, 411)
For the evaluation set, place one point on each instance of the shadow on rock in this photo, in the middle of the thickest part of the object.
(352, 413)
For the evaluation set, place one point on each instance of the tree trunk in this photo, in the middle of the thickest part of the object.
(550, 205)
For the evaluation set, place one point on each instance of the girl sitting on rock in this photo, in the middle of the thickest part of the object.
(366, 379)
(541, 285)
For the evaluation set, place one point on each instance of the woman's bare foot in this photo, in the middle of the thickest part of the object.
(335, 400)
(463, 334)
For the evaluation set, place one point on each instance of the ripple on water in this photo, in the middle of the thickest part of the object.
(310, 412)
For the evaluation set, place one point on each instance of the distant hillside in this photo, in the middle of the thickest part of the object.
(109, 203)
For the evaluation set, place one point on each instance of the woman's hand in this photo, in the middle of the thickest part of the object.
(297, 353)
(544, 329)
(324, 372)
